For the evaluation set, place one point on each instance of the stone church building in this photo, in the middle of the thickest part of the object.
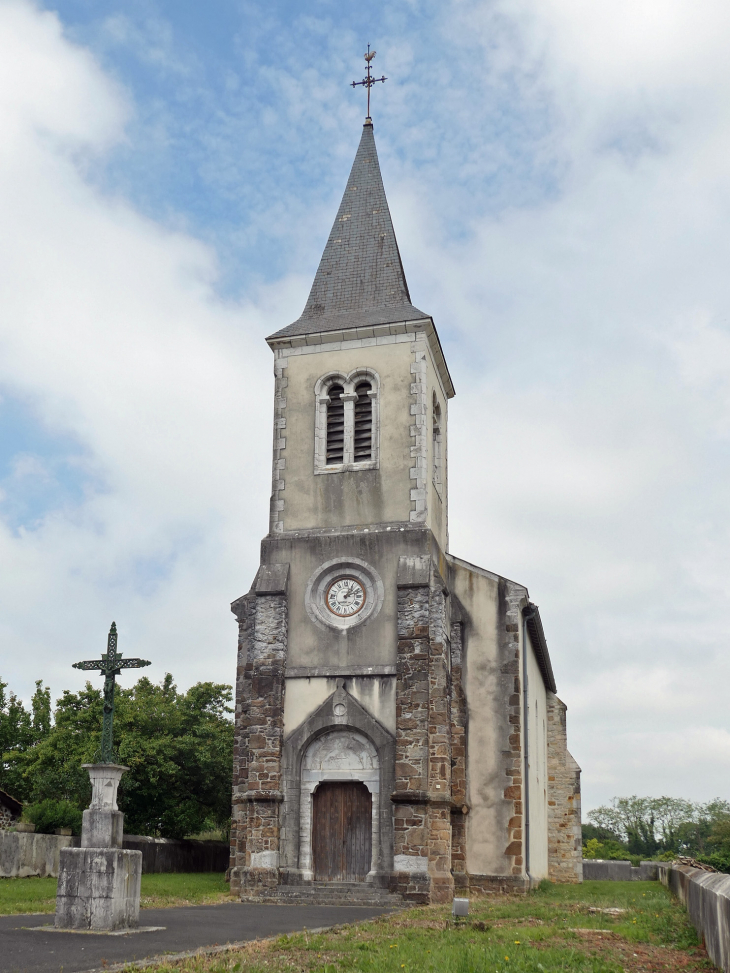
(397, 724)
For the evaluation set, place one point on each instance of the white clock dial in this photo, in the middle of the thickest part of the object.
(345, 597)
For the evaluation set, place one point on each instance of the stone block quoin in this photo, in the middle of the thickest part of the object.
(459, 718)
(565, 849)
(511, 598)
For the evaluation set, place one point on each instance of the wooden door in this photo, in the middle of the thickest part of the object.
(342, 817)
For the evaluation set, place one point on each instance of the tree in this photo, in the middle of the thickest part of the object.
(719, 839)
(178, 746)
(662, 824)
(19, 731)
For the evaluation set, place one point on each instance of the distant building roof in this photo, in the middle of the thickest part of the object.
(360, 279)
(13, 805)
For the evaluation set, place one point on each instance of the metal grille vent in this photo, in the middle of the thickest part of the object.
(363, 423)
(335, 426)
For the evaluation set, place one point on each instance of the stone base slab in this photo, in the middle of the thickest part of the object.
(499, 883)
(99, 932)
(98, 889)
(325, 893)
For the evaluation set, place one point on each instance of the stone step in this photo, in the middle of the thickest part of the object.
(330, 893)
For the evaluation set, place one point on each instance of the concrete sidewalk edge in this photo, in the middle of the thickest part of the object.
(209, 950)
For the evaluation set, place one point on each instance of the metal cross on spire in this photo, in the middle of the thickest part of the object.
(110, 665)
(368, 81)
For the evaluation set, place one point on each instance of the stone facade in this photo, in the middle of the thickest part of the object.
(564, 828)
(423, 693)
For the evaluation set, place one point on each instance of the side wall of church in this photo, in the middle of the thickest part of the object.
(429, 474)
(565, 850)
(536, 800)
(491, 625)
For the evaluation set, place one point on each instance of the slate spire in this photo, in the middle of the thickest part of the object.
(360, 279)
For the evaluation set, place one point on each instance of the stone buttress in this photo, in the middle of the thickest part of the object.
(257, 792)
(422, 795)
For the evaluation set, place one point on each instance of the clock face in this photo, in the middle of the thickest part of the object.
(345, 597)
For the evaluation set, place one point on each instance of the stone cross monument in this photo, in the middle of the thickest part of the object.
(99, 883)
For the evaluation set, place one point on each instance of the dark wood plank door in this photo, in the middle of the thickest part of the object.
(342, 831)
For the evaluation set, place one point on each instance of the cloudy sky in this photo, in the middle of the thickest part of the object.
(558, 173)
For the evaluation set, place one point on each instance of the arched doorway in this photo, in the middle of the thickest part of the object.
(342, 831)
(339, 819)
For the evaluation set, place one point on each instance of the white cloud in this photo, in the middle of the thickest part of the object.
(589, 340)
(111, 334)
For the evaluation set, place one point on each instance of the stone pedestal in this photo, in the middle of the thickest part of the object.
(98, 889)
(99, 883)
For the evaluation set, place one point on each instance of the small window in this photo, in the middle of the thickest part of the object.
(438, 459)
(363, 423)
(335, 426)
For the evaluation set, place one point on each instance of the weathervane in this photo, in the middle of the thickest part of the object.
(110, 665)
(368, 81)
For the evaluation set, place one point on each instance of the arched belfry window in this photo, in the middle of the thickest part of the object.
(437, 445)
(335, 425)
(347, 421)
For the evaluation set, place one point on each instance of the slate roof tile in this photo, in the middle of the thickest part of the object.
(360, 279)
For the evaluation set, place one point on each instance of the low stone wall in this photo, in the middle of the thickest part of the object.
(168, 855)
(600, 870)
(24, 855)
(706, 896)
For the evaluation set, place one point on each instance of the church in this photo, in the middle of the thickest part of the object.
(397, 728)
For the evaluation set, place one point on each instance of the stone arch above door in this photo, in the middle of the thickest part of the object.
(364, 749)
(342, 754)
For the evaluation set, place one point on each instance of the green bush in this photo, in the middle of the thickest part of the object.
(609, 851)
(719, 861)
(50, 814)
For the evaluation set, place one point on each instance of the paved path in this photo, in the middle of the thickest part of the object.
(25, 950)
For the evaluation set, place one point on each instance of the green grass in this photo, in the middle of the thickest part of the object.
(550, 929)
(185, 888)
(24, 895)
(19, 895)
(652, 914)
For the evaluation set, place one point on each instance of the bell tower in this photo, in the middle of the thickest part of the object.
(396, 708)
(361, 383)
(343, 697)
